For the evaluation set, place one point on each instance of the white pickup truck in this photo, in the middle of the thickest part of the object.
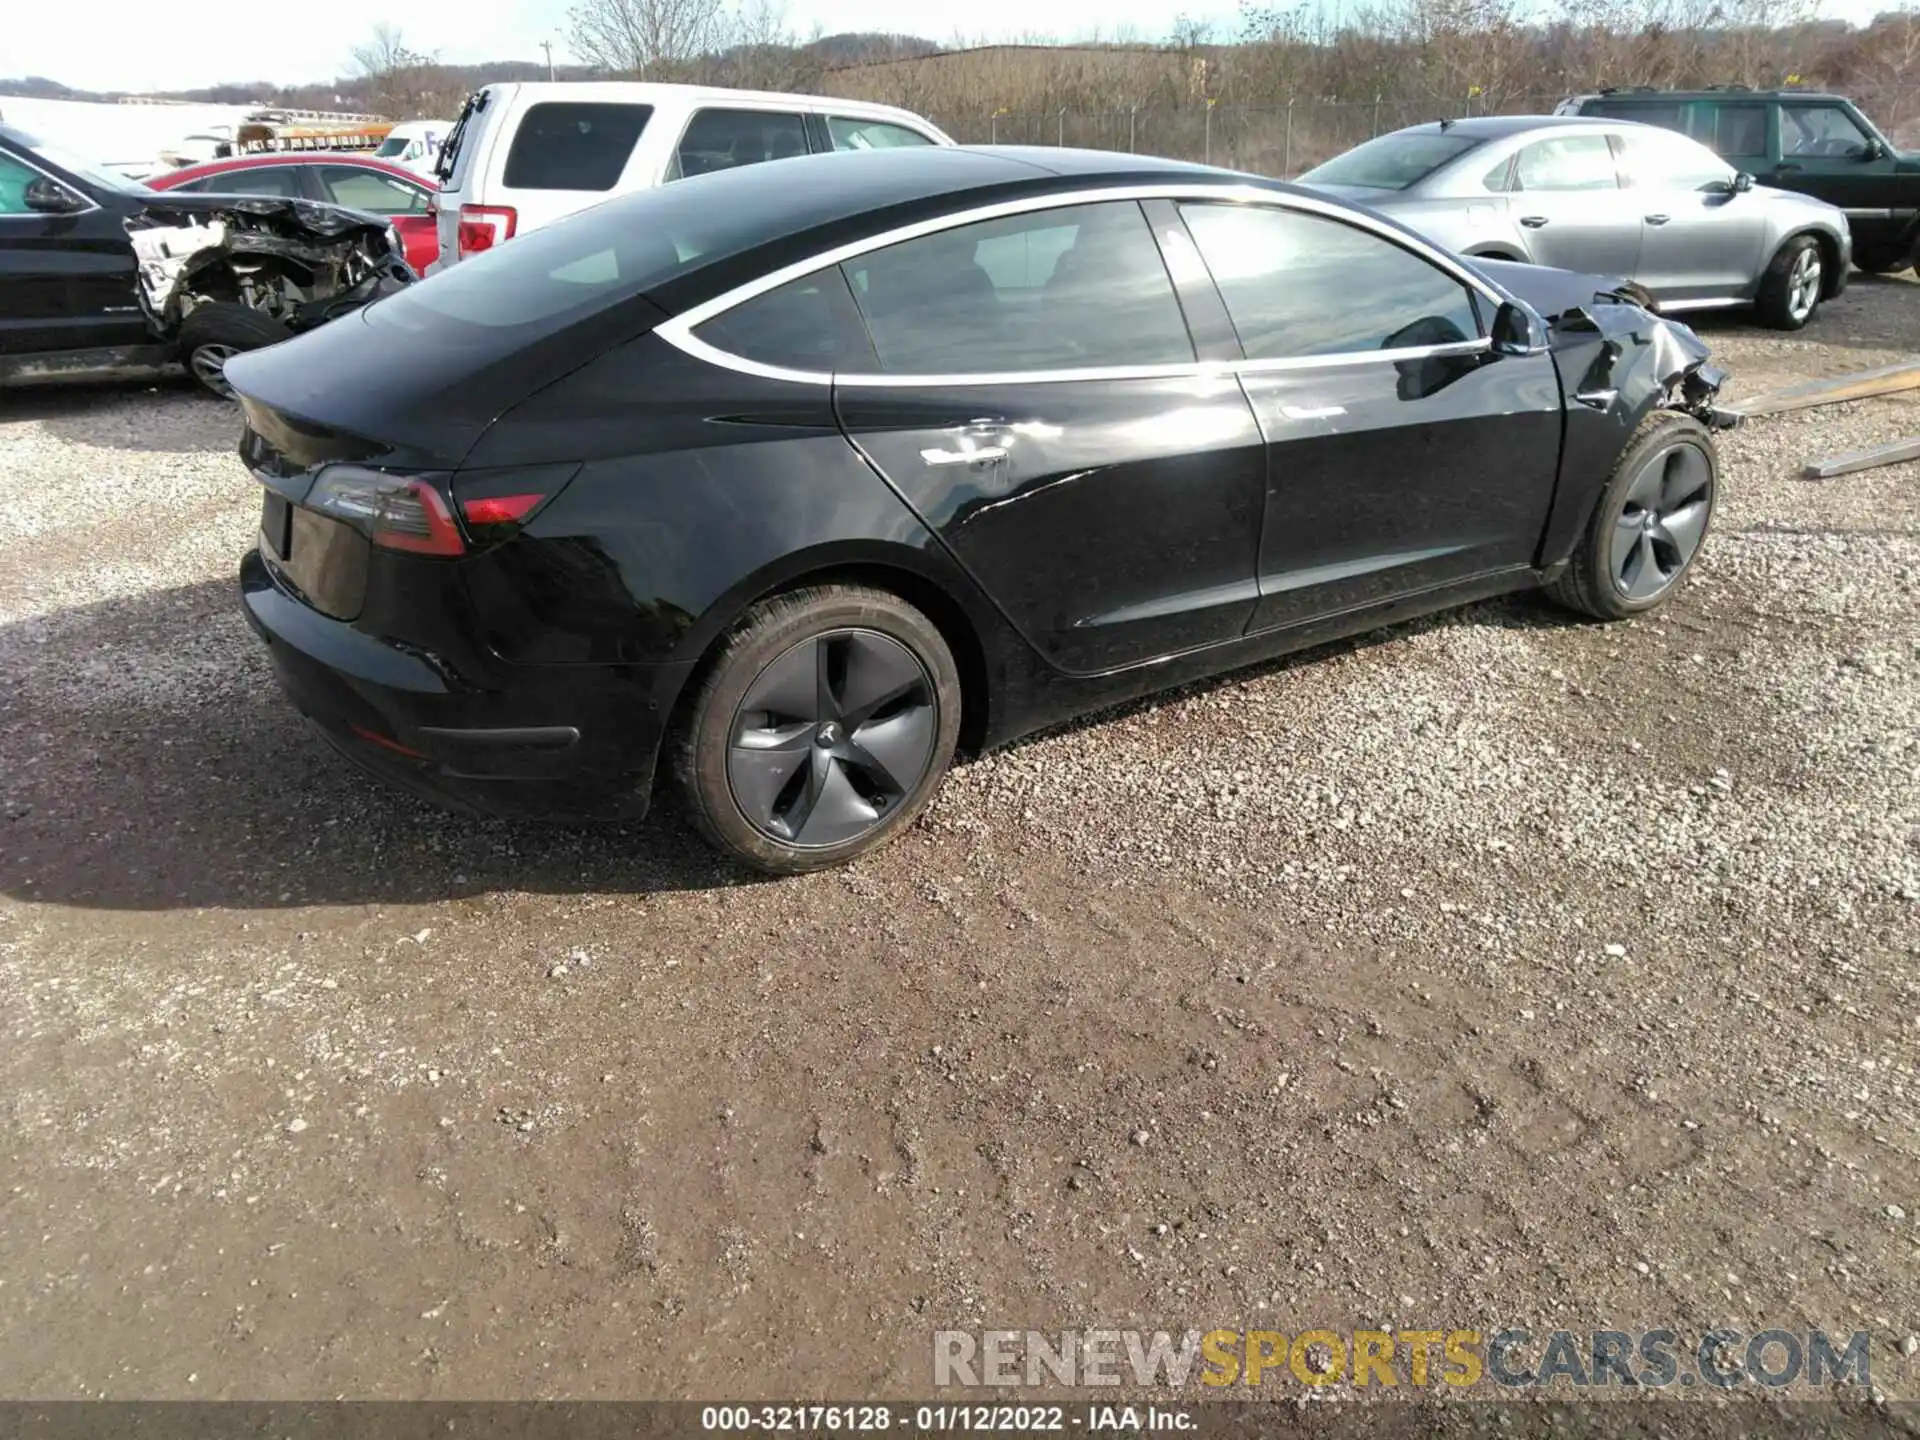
(524, 155)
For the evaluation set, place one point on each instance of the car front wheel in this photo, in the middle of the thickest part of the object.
(1790, 291)
(214, 333)
(821, 729)
(1649, 524)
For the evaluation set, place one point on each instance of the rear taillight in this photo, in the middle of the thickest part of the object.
(396, 512)
(493, 505)
(481, 227)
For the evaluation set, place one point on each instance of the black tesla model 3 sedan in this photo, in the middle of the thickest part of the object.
(792, 479)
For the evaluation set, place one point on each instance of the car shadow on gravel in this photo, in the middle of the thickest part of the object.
(149, 762)
(168, 417)
(1878, 312)
(1527, 610)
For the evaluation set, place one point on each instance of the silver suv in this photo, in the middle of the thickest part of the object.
(1609, 197)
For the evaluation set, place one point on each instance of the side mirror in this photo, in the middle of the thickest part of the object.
(50, 197)
(1742, 182)
(1516, 331)
(1874, 151)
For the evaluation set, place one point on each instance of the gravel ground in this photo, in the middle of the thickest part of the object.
(1492, 970)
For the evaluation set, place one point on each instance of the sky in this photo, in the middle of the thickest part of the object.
(121, 45)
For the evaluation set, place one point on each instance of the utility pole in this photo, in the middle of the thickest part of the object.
(547, 45)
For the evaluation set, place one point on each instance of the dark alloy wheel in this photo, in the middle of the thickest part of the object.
(823, 726)
(831, 737)
(1648, 524)
(1663, 521)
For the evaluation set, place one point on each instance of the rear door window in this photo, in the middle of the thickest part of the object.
(1667, 117)
(1080, 287)
(1571, 162)
(372, 191)
(278, 180)
(1740, 131)
(574, 145)
(850, 133)
(729, 139)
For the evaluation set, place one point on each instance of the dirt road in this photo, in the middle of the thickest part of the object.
(1498, 969)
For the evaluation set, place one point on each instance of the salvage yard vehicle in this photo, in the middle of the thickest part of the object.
(415, 145)
(102, 277)
(522, 156)
(1608, 196)
(1816, 143)
(792, 482)
(359, 182)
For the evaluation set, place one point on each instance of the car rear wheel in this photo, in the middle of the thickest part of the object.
(1790, 291)
(216, 332)
(821, 729)
(1649, 524)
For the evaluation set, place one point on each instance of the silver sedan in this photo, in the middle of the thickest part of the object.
(1607, 197)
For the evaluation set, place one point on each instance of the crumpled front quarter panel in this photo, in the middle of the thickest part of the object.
(1617, 363)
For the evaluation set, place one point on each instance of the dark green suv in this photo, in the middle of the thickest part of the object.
(1796, 140)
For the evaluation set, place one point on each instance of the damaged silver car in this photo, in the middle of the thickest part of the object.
(101, 277)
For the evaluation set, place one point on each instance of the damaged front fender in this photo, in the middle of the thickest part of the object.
(298, 261)
(1637, 361)
(1618, 360)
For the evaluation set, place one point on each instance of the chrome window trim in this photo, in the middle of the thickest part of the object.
(678, 331)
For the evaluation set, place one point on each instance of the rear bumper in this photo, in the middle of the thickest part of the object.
(551, 742)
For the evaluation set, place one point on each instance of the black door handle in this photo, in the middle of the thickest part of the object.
(1657, 219)
(1533, 222)
(1786, 169)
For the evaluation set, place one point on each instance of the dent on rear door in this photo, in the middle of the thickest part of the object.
(1113, 521)
(1113, 516)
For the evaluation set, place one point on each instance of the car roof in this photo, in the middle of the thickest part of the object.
(638, 91)
(811, 203)
(1499, 127)
(1721, 92)
(289, 157)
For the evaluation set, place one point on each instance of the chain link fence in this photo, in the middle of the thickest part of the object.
(1276, 140)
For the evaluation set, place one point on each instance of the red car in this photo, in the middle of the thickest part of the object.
(358, 181)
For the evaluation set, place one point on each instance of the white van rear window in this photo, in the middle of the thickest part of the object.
(574, 145)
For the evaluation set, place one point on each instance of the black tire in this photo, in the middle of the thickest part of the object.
(1888, 261)
(1592, 583)
(215, 332)
(1782, 302)
(766, 819)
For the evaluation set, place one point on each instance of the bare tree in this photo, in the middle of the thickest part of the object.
(402, 82)
(1885, 65)
(644, 37)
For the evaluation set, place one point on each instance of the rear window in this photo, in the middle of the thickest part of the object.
(543, 280)
(1392, 162)
(1740, 130)
(546, 279)
(1666, 116)
(853, 134)
(728, 139)
(574, 145)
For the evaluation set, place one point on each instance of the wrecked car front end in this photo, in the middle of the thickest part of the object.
(295, 261)
(1619, 361)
